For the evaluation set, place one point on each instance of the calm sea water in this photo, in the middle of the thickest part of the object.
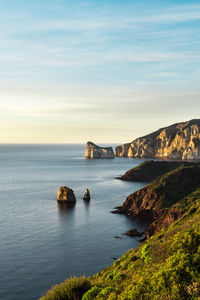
(42, 244)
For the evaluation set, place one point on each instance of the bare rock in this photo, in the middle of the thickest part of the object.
(66, 195)
(93, 151)
(133, 232)
(178, 141)
(86, 196)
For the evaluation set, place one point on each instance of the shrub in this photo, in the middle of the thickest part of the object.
(71, 289)
(145, 253)
(92, 293)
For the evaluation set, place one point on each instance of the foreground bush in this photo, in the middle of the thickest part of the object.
(71, 289)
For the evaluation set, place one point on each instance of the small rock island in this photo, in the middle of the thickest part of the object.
(86, 196)
(93, 151)
(66, 195)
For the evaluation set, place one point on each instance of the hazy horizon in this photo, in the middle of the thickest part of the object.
(105, 71)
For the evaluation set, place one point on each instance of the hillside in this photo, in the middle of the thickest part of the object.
(177, 141)
(162, 201)
(151, 169)
(167, 264)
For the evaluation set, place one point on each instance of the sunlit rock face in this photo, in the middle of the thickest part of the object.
(93, 151)
(178, 141)
(86, 196)
(66, 195)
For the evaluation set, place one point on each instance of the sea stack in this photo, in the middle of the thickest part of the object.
(86, 196)
(66, 195)
(93, 151)
(178, 141)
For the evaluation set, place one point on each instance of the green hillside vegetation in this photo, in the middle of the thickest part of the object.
(172, 187)
(166, 266)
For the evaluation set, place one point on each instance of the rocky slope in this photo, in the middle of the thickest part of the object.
(151, 169)
(93, 151)
(159, 202)
(178, 141)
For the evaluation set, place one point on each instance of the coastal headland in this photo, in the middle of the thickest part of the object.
(166, 264)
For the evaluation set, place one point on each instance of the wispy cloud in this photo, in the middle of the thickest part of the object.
(178, 14)
(74, 63)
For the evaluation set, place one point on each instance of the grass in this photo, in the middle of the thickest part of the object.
(73, 288)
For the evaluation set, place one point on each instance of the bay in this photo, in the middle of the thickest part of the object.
(42, 243)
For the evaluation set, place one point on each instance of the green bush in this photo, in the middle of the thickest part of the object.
(118, 277)
(71, 289)
(92, 293)
(176, 278)
(145, 253)
(105, 292)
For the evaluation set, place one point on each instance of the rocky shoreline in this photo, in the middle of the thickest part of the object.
(156, 202)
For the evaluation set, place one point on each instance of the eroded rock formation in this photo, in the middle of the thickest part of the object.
(178, 141)
(86, 196)
(93, 151)
(66, 195)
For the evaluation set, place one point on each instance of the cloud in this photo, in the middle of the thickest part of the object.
(178, 14)
(65, 25)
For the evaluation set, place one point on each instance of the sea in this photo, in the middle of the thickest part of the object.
(43, 243)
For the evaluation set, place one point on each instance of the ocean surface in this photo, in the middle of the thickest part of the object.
(42, 243)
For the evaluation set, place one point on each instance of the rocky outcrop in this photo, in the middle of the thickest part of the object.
(86, 196)
(158, 202)
(151, 169)
(93, 151)
(66, 195)
(133, 232)
(178, 141)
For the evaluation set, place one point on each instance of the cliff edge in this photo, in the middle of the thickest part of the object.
(178, 141)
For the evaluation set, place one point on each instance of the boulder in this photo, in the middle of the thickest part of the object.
(93, 151)
(86, 196)
(133, 232)
(66, 195)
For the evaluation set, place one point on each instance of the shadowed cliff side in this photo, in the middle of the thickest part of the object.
(151, 169)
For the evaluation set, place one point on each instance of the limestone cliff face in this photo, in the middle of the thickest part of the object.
(178, 141)
(93, 151)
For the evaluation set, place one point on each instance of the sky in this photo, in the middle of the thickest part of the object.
(108, 71)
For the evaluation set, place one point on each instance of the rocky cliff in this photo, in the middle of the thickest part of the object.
(161, 201)
(178, 141)
(93, 151)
